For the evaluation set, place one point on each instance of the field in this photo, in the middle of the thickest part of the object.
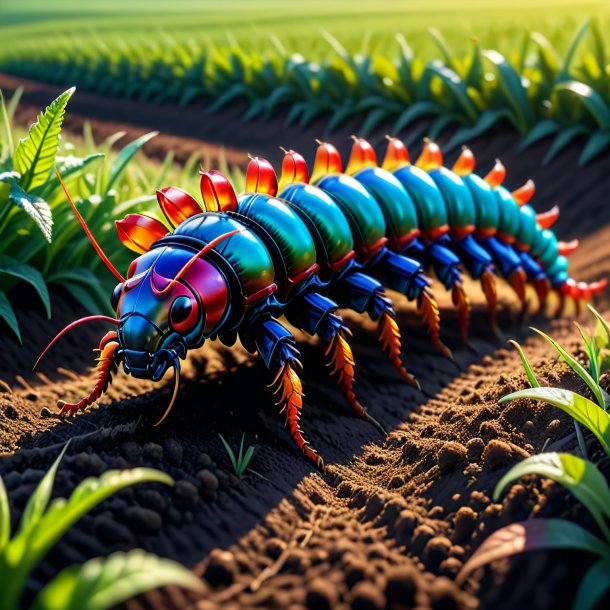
(486, 487)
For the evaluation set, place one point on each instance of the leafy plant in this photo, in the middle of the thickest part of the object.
(97, 584)
(241, 461)
(583, 479)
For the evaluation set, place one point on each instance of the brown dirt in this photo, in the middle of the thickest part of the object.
(390, 522)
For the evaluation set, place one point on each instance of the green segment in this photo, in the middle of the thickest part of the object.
(485, 203)
(395, 202)
(428, 200)
(326, 218)
(245, 251)
(286, 229)
(510, 220)
(459, 201)
(359, 206)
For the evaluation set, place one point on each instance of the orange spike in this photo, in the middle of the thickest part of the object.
(294, 169)
(461, 301)
(428, 308)
(261, 177)
(488, 284)
(328, 161)
(465, 163)
(496, 175)
(139, 232)
(396, 155)
(389, 335)
(567, 247)
(177, 205)
(547, 219)
(362, 155)
(524, 193)
(217, 192)
(431, 156)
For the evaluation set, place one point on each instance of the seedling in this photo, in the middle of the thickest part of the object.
(241, 461)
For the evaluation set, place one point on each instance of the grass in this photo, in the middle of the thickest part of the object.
(97, 584)
(240, 461)
(531, 67)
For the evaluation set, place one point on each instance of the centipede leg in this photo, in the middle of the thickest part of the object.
(488, 284)
(462, 303)
(431, 318)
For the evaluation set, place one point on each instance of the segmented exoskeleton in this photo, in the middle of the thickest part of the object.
(303, 248)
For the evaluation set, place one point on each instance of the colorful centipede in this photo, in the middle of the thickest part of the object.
(305, 247)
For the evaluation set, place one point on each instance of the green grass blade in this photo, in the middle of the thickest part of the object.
(592, 101)
(541, 130)
(580, 408)
(526, 365)
(100, 584)
(123, 158)
(578, 368)
(592, 351)
(7, 313)
(564, 136)
(34, 155)
(595, 146)
(5, 517)
(532, 535)
(572, 48)
(593, 586)
(39, 500)
(581, 477)
(230, 452)
(7, 124)
(604, 326)
(13, 267)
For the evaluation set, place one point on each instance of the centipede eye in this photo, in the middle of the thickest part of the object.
(115, 296)
(183, 314)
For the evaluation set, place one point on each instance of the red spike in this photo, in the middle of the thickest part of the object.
(496, 175)
(396, 155)
(566, 248)
(362, 155)
(177, 205)
(294, 169)
(547, 219)
(465, 163)
(260, 177)
(217, 192)
(524, 193)
(542, 288)
(328, 161)
(88, 233)
(139, 232)
(69, 328)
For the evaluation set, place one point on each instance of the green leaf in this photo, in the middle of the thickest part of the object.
(580, 408)
(67, 167)
(604, 326)
(581, 477)
(229, 450)
(532, 535)
(124, 157)
(35, 155)
(39, 500)
(486, 121)
(541, 130)
(596, 144)
(28, 274)
(564, 137)
(572, 48)
(104, 583)
(526, 365)
(414, 112)
(7, 124)
(590, 99)
(7, 313)
(35, 207)
(578, 368)
(5, 517)
(593, 586)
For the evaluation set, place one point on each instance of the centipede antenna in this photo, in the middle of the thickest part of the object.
(319, 142)
(88, 233)
(283, 150)
(174, 393)
(68, 328)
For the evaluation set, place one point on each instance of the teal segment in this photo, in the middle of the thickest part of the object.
(326, 217)
(360, 208)
(245, 251)
(487, 214)
(428, 200)
(284, 226)
(395, 202)
(542, 242)
(527, 226)
(459, 201)
(558, 269)
(510, 220)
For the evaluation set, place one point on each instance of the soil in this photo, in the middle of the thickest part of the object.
(393, 518)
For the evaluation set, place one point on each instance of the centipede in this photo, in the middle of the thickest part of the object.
(309, 244)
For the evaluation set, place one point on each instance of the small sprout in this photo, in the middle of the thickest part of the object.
(526, 365)
(240, 463)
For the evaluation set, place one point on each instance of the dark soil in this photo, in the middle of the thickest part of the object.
(393, 519)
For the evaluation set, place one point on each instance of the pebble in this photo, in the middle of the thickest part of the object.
(402, 584)
(153, 451)
(474, 449)
(143, 520)
(497, 454)
(208, 482)
(321, 595)
(186, 495)
(436, 550)
(366, 596)
(107, 529)
(221, 568)
(173, 451)
(132, 452)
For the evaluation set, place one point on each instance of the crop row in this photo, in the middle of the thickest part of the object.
(537, 90)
